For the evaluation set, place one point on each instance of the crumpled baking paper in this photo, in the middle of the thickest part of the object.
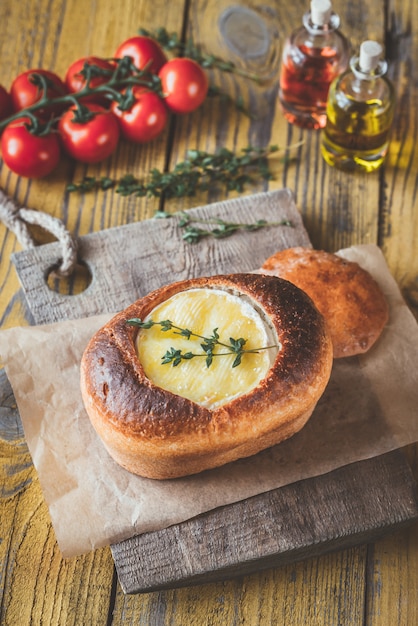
(370, 407)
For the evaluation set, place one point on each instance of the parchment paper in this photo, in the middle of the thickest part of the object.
(369, 407)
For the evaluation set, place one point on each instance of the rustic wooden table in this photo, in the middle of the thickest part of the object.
(371, 585)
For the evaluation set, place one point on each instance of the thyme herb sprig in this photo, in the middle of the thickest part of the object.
(193, 234)
(199, 171)
(174, 356)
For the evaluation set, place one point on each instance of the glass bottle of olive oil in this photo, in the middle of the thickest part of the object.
(360, 111)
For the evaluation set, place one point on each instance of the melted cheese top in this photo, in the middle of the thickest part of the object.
(203, 310)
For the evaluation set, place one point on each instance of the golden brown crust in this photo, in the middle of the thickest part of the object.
(155, 433)
(349, 298)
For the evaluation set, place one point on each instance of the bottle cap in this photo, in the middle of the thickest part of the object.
(320, 12)
(370, 53)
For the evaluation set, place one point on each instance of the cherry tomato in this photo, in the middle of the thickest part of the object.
(184, 84)
(26, 154)
(6, 107)
(144, 51)
(25, 92)
(92, 141)
(75, 81)
(145, 120)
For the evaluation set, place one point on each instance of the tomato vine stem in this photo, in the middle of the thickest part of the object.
(124, 75)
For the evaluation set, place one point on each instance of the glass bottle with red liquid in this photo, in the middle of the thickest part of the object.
(313, 56)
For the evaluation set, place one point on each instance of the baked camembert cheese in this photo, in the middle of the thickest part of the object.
(163, 418)
(210, 309)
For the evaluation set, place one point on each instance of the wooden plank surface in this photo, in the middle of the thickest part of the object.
(371, 585)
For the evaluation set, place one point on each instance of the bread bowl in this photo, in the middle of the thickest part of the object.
(351, 301)
(157, 433)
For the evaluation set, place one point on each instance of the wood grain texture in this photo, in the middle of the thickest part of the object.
(297, 521)
(399, 198)
(28, 549)
(393, 562)
(338, 210)
(295, 594)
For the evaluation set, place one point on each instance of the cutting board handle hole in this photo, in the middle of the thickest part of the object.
(73, 285)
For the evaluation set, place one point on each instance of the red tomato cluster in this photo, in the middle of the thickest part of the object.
(184, 86)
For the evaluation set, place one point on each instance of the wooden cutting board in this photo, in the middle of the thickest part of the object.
(354, 504)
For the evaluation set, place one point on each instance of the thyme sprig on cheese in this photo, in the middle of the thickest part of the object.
(175, 356)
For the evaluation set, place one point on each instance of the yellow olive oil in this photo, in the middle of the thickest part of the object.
(360, 112)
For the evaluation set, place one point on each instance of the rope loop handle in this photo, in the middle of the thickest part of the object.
(17, 218)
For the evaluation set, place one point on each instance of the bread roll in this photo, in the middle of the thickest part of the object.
(161, 421)
(348, 297)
